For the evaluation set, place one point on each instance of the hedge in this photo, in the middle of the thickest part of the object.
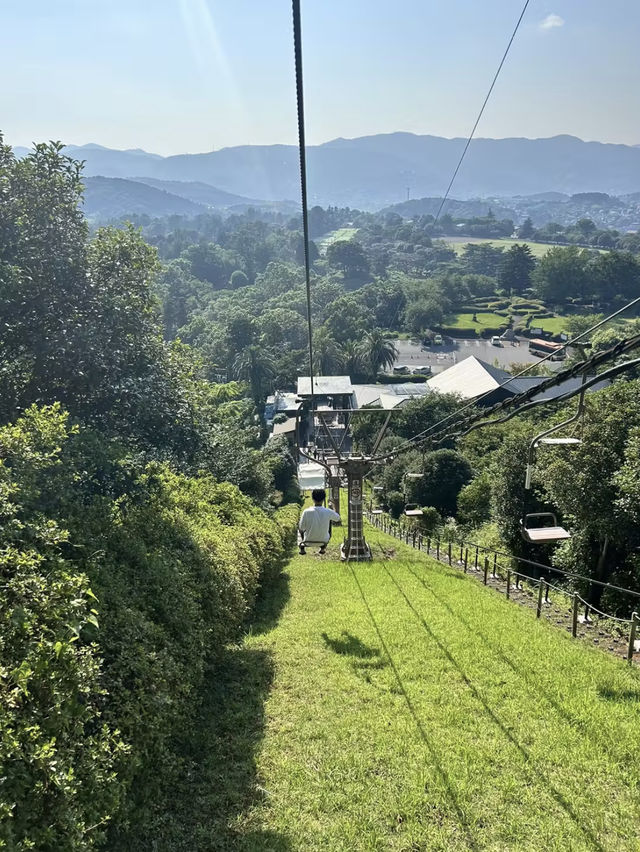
(123, 582)
(452, 331)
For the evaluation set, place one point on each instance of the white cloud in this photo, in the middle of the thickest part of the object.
(551, 22)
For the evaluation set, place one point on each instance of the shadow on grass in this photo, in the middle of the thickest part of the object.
(350, 646)
(559, 797)
(210, 786)
(611, 693)
(365, 657)
(607, 692)
(422, 730)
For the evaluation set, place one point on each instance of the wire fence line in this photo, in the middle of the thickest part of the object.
(476, 559)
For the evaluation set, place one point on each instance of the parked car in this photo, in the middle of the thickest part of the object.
(422, 371)
(401, 369)
(495, 340)
(437, 340)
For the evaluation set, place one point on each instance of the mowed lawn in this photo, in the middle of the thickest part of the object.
(340, 234)
(458, 244)
(484, 319)
(410, 708)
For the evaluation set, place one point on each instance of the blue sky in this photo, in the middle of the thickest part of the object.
(175, 76)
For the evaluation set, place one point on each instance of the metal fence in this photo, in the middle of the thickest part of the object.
(476, 559)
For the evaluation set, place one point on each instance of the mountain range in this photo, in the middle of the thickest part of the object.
(373, 171)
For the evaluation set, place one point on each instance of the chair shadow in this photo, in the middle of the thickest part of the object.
(211, 783)
(366, 657)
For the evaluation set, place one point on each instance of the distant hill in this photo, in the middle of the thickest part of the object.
(113, 198)
(454, 207)
(200, 193)
(374, 171)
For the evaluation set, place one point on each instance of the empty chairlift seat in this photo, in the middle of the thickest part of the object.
(559, 442)
(536, 529)
(412, 510)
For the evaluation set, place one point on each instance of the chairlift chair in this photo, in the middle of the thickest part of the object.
(540, 533)
(412, 510)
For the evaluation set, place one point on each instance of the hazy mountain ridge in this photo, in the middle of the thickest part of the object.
(112, 198)
(375, 171)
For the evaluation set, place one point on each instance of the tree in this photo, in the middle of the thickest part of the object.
(327, 354)
(615, 275)
(526, 230)
(212, 263)
(256, 366)
(423, 314)
(516, 268)
(377, 351)
(445, 472)
(282, 328)
(482, 258)
(353, 362)
(238, 279)
(349, 256)
(348, 319)
(586, 227)
(562, 274)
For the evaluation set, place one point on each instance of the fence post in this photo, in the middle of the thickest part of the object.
(475, 567)
(415, 535)
(419, 541)
(428, 544)
(460, 551)
(449, 553)
(495, 565)
(466, 559)
(438, 548)
(486, 569)
(508, 582)
(574, 617)
(632, 637)
(540, 590)
(546, 591)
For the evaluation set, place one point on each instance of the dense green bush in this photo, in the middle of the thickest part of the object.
(94, 686)
(452, 331)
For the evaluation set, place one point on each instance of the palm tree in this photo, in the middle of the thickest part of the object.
(256, 366)
(377, 351)
(352, 358)
(327, 353)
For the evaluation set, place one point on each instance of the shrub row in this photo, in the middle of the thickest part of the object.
(122, 581)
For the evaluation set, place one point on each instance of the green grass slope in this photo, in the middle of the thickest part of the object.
(400, 705)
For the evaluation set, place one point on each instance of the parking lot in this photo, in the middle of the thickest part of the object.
(439, 358)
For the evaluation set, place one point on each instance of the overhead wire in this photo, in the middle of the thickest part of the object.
(524, 397)
(482, 109)
(475, 126)
(414, 440)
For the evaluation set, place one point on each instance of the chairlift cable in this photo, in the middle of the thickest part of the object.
(414, 441)
(482, 109)
(525, 397)
(297, 48)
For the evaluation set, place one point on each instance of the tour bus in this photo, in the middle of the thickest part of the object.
(540, 348)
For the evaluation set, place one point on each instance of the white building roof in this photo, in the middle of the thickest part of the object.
(325, 385)
(394, 394)
(469, 378)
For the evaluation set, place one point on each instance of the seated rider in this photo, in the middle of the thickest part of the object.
(315, 522)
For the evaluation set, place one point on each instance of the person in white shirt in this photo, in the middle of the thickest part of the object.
(315, 522)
